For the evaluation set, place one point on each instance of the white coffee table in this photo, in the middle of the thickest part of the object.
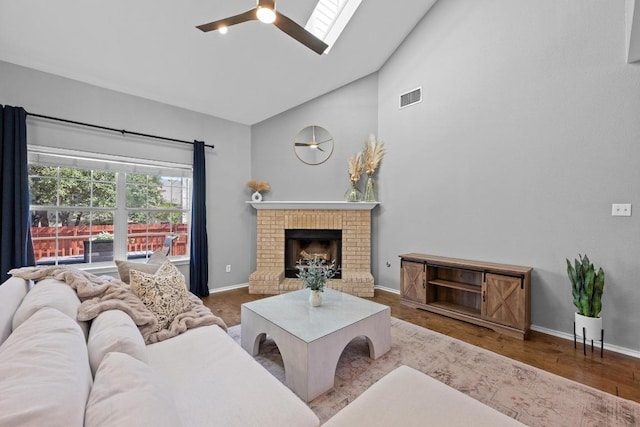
(311, 339)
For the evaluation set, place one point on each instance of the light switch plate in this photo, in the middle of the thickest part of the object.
(621, 209)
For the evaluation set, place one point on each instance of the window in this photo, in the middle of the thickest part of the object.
(329, 19)
(88, 210)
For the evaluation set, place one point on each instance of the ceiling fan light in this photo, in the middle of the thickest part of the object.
(266, 15)
(223, 30)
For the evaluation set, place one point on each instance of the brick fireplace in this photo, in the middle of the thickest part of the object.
(353, 219)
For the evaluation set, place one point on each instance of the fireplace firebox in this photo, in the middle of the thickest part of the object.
(303, 244)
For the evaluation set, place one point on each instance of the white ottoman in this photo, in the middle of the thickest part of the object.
(406, 397)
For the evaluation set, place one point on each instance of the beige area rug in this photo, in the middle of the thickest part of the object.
(530, 395)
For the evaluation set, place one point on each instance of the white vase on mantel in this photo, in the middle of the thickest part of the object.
(256, 197)
(315, 298)
(592, 327)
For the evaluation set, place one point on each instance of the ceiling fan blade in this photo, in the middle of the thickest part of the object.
(294, 30)
(271, 4)
(310, 145)
(249, 15)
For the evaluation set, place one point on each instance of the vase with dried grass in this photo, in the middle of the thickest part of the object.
(356, 166)
(372, 155)
(257, 186)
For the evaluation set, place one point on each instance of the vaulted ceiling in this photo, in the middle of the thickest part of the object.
(151, 48)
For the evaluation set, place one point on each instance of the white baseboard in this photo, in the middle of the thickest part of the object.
(228, 288)
(392, 290)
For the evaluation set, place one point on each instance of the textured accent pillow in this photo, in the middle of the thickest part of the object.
(50, 293)
(125, 267)
(44, 372)
(164, 293)
(127, 392)
(114, 330)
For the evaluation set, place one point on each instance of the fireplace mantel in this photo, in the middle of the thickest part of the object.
(317, 205)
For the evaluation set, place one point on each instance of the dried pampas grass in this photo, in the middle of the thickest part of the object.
(257, 185)
(356, 165)
(372, 154)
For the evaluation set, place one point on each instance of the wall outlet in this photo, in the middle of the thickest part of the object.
(228, 268)
(621, 209)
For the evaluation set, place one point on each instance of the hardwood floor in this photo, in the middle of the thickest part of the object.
(616, 373)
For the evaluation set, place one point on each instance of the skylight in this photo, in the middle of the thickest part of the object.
(329, 18)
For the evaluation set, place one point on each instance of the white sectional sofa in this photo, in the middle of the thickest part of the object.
(409, 398)
(56, 371)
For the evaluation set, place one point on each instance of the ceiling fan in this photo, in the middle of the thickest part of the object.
(315, 144)
(265, 11)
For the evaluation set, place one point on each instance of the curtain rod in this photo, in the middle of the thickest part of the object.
(122, 131)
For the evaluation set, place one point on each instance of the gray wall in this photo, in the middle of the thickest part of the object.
(228, 166)
(349, 114)
(528, 132)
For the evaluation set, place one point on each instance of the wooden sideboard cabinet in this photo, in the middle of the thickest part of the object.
(497, 296)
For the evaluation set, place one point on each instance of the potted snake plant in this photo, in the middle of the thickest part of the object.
(587, 287)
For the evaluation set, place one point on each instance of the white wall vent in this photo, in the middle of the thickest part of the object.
(412, 97)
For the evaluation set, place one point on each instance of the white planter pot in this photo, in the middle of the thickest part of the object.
(256, 197)
(591, 325)
(315, 298)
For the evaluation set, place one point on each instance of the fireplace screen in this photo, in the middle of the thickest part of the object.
(302, 245)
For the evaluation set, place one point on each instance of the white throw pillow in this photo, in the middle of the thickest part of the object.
(49, 293)
(125, 267)
(44, 372)
(114, 330)
(127, 392)
(164, 293)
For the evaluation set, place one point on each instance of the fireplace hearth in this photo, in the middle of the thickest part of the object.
(304, 244)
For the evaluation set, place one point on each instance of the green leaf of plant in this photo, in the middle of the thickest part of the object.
(585, 299)
(571, 272)
(596, 300)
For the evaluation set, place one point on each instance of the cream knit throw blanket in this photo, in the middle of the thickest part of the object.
(101, 293)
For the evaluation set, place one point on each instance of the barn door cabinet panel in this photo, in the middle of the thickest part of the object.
(413, 283)
(493, 295)
(504, 300)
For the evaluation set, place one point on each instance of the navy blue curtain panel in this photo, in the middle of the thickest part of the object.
(199, 264)
(16, 248)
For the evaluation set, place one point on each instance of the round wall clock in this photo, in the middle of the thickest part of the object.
(313, 145)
